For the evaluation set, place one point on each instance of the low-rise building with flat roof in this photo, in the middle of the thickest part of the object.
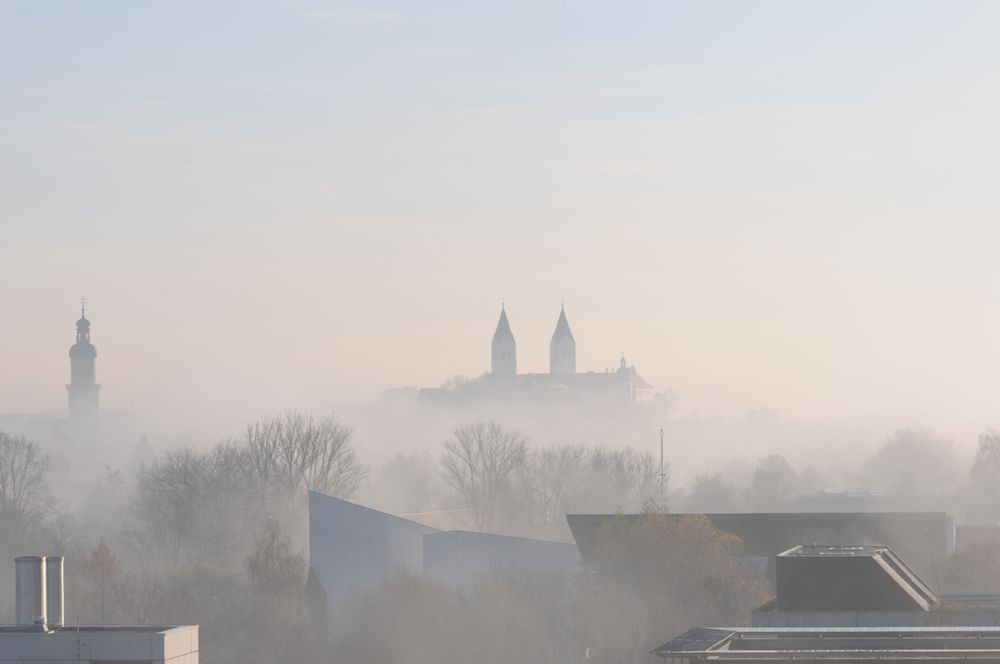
(924, 539)
(809, 645)
(41, 635)
(863, 586)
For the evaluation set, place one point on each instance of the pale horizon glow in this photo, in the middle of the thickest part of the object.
(276, 204)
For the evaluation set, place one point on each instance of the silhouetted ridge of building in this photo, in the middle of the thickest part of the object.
(562, 382)
(922, 538)
(84, 408)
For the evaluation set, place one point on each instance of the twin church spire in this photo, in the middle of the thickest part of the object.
(562, 348)
(504, 348)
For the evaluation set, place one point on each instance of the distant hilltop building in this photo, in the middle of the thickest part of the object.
(561, 383)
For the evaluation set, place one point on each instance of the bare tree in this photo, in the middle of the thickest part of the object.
(712, 493)
(622, 479)
(480, 460)
(546, 480)
(911, 461)
(107, 580)
(295, 452)
(774, 480)
(455, 382)
(23, 472)
(190, 506)
(277, 584)
(985, 471)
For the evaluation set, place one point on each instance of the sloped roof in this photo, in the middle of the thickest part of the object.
(503, 326)
(562, 327)
(460, 519)
(640, 383)
(848, 578)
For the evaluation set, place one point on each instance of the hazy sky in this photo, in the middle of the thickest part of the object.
(273, 204)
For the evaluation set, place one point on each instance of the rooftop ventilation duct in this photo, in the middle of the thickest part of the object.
(848, 578)
(30, 591)
(54, 604)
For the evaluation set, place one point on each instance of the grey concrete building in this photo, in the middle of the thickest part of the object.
(42, 637)
(354, 549)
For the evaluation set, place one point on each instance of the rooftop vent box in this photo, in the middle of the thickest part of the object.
(848, 578)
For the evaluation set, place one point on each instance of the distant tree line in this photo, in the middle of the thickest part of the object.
(216, 536)
(511, 486)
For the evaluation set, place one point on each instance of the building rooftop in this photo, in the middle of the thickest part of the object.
(93, 629)
(922, 538)
(100, 643)
(840, 550)
(838, 644)
(842, 578)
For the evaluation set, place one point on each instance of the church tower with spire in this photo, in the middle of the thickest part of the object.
(504, 348)
(562, 347)
(83, 388)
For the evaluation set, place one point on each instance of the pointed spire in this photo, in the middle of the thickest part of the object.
(504, 348)
(562, 326)
(503, 325)
(562, 347)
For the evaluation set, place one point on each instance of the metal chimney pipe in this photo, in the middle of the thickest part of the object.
(55, 602)
(29, 582)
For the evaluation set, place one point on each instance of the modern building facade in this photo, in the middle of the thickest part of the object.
(354, 549)
(455, 557)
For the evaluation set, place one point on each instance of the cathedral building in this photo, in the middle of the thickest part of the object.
(561, 383)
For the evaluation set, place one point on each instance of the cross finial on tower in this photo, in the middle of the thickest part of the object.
(83, 307)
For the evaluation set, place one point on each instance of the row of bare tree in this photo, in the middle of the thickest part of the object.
(909, 463)
(196, 536)
(510, 486)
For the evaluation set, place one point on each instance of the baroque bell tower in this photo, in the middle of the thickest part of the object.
(83, 388)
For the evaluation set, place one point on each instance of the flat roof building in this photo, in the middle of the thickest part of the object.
(41, 636)
(863, 586)
(922, 538)
(101, 644)
(805, 645)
